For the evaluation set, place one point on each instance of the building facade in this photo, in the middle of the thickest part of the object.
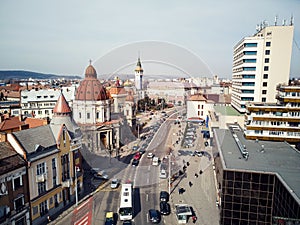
(40, 103)
(52, 153)
(260, 62)
(257, 181)
(14, 192)
(275, 122)
(197, 107)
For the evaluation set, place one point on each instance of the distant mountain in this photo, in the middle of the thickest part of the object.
(22, 74)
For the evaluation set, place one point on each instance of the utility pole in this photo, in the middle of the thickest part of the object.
(170, 155)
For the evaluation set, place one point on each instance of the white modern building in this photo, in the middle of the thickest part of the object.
(40, 103)
(260, 62)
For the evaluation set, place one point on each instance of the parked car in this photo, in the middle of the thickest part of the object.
(135, 147)
(198, 153)
(135, 162)
(101, 175)
(114, 183)
(165, 208)
(164, 196)
(163, 174)
(154, 216)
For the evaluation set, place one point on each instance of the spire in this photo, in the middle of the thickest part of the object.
(62, 106)
(139, 65)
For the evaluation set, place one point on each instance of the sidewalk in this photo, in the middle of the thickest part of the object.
(201, 195)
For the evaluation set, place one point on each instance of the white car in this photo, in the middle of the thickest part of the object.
(163, 174)
(114, 183)
(150, 155)
(101, 174)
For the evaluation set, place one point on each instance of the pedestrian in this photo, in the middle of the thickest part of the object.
(179, 191)
(201, 172)
(187, 163)
(196, 175)
(194, 218)
(49, 219)
(190, 184)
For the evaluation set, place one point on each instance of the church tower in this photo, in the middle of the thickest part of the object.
(138, 75)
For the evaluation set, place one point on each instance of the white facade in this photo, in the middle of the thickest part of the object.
(91, 112)
(197, 107)
(261, 62)
(40, 103)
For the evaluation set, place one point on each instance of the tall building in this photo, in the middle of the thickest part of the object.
(260, 62)
(138, 72)
(275, 121)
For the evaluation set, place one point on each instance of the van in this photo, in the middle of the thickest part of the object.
(155, 161)
(163, 174)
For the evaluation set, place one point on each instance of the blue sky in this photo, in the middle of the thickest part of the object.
(61, 36)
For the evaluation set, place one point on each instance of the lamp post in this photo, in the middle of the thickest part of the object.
(76, 191)
(170, 156)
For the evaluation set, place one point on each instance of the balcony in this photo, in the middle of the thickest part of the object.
(41, 177)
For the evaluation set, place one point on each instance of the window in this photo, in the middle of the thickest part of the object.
(17, 182)
(267, 60)
(249, 68)
(248, 91)
(97, 115)
(250, 45)
(198, 106)
(43, 208)
(265, 76)
(19, 202)
(265, 84)
(266, 68)
(249, 52)
(267, 52)
(47, 112)
(264, 92)
(54, 172)
(202, 106)
(40, 168)
(40, 112)
(268, 44)
(249, 60)
(263, 99)
(88, 115)
(41, 187)
(80, 115)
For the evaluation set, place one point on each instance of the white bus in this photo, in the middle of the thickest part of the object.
(126, 203)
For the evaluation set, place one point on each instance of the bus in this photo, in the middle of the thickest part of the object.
(126, 202)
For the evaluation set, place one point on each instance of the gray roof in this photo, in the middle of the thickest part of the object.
(38, 138)
(277, 157)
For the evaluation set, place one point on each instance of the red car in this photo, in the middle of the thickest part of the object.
(137, 156)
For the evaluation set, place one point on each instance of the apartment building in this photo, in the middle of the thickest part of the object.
(52, 153)
(275, 121)
(14, 192)
(260, 63)
(39, 103)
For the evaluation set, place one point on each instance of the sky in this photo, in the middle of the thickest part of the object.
(60, 37)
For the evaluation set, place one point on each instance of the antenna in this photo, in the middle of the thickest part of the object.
(283, 22)
(292, 20)
(276, 17)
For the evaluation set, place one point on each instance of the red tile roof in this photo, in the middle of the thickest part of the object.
(11, 123)
(62, 105)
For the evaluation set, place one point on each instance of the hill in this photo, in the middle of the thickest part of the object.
(22, 74)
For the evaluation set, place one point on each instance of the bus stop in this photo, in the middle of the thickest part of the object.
(183, 212)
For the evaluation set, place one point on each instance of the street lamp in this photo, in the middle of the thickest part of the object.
(170, 155)
(76, 169)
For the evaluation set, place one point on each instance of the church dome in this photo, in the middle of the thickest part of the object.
(90, 89)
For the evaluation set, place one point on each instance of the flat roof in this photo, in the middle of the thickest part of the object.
(264, 156)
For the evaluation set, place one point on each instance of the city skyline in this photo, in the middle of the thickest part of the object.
(61, 37)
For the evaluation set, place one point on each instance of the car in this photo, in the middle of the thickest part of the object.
(164, 196)
(137, 156)
(135, 162)
(114, 183)
(127, 222)
(135, 147)
(109, 218)
(150, 155)
(163, 174)
(165, 208)
(101, 175)
(154, 216)
(198, 153)
(142, 151)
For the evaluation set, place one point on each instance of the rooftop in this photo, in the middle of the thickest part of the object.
(264, 156)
